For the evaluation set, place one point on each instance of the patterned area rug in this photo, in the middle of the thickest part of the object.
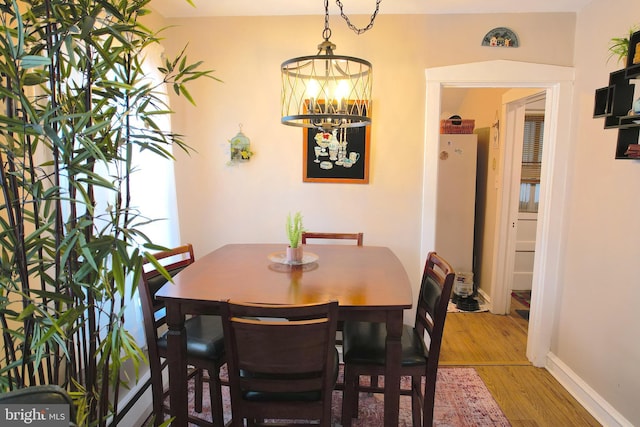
(462, 400)
(523, 296)
(524, 314)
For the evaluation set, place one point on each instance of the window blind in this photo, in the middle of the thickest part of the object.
(532, 148)
(531, 162)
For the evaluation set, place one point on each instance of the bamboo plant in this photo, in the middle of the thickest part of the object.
(72, 83)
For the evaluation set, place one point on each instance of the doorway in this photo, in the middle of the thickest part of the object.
(526, 137)
(556, 82)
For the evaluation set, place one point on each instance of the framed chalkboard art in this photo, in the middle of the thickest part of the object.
(338, 156)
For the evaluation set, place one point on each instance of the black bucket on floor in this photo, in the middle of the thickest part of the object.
(463, 292)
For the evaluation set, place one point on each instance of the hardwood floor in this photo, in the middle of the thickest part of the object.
(495, 346)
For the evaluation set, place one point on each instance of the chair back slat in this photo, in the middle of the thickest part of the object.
(294, 347)
(173, 260)
(437, 282)
(358, 237)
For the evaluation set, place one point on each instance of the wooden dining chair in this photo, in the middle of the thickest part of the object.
(358, 237)
(364, 347)
(205, 342)
(282, 361)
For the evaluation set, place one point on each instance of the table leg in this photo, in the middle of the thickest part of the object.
(392, 369)
(177, 363)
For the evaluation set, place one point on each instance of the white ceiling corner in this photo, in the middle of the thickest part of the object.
(182, 9)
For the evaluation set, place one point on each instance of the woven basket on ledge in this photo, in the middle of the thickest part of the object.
(457, 126)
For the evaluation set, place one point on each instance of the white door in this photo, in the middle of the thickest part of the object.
(531, 166)
(525, 251)
(522, 237)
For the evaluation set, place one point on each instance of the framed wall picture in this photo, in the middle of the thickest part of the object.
(341, 156)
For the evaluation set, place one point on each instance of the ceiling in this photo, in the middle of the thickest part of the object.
(181, 8)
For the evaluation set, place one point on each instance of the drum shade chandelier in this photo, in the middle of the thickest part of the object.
(327, 91)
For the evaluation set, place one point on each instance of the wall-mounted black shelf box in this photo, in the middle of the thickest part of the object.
(621, 98)
(626, 137)
(629, 122)
(604, 102)
(633, 56)
(614, 102)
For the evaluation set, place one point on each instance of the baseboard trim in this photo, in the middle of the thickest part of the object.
(485, 297)
(597, 406)
(140, 409)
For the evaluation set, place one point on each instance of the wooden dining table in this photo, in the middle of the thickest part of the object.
(369, 283)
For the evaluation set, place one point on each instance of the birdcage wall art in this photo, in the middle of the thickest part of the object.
(240, 148)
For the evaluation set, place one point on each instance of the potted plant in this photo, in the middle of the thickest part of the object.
(78, 106)
(619, 46)
(294, 234)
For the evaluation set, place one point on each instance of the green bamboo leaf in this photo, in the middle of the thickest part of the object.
(44, 336)
(87, 26)
(186, 94)
(67, 245)
(118, 273)
(52, 135)
(159, 267)
(135, 280)
(96, 128)
(53, 296)
(32, 61)
(26, 312)
(199, 75)
(132, 351)
(115, 84)
(192, 67)
(34, 79)
(20, 31)
(183, 64)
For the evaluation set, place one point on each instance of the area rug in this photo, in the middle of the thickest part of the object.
(462, 400)
(524, 314)
(523, 296)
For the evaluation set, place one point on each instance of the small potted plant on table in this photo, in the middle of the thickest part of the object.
(294, 234)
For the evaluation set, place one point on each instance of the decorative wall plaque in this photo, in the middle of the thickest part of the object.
(500, 37)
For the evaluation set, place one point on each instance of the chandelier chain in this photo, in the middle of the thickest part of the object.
(349, 24)
(326, 33)
(326, 94)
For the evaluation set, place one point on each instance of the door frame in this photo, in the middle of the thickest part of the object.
(557, 81)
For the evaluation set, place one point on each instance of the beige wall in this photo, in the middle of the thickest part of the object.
(482, 105)
(595, 336)
(220, 204)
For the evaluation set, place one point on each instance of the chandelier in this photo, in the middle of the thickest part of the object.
(327, 91)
